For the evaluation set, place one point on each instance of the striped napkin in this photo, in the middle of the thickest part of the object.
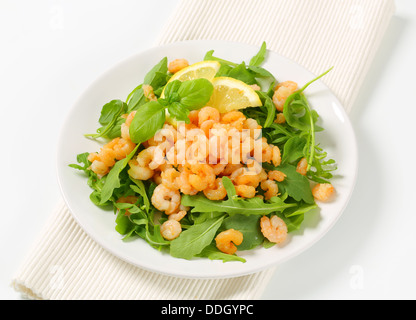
(315, 34)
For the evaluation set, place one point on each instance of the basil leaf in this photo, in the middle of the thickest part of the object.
(194, 94)
(258, 59)
(193, 240)
(172, 87)
(179, 112)
(148, 119)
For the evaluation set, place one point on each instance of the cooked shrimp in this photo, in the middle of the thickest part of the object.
(227, 240)
(138, 172)
(148, 92)
(230, 168)
(253, 126)
(125, 133)
(183, 184)
(276, 157)
(170, 229)
(282, 92)
(193, 116)
(234, 118)
(116, 149)
(169, 178)
(202, 176)
(122, 148)
(245, 191)
(276, 175)
(302, 166)
(271, 187)
(323, 191)
(177, 65)
(178, 215)
(280, 118)
(266, 153)
(208, 113)
(274, 229)
(165, 199)
(99, 168)
(244, 176)
(217, 192)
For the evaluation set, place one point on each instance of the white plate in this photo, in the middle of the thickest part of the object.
(338, 139)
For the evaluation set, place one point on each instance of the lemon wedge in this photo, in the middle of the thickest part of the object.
(202, 69)
(232, 94)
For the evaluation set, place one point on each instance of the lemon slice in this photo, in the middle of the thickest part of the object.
(232, 94)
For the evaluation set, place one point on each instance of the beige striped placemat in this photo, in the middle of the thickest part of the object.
(66, 264)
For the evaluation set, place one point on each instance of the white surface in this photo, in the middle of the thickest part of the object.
(338, 140)
(51, 51)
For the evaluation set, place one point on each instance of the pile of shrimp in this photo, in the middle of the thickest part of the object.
(193, 157)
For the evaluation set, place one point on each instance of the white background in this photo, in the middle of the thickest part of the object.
(50, 51)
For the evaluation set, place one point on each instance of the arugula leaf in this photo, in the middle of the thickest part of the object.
(293, 149)
(148, 119)
(233, 205)
(211, 252)
(269, 106)
(113, 180)
(193, 240)
(299, 115)
(249, 226)
(241, 72)
(296, 185)
(258, 59)
(157, 76)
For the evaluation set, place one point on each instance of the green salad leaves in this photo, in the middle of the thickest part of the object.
(131, 199)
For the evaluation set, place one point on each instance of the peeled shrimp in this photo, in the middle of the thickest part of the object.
(271, 187)
(170, 229)
(227, 240)
(169, 178)
(177, 65)
(202, 176)
(302, 166)
(116, 149)
(274, 229)
(208, 113)
(323, 191)
(245, 191)
(148, 92)
(217, 192)
(282, 92)
(276, 175)
(165, 199)
(125, 127)
(178, 215)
